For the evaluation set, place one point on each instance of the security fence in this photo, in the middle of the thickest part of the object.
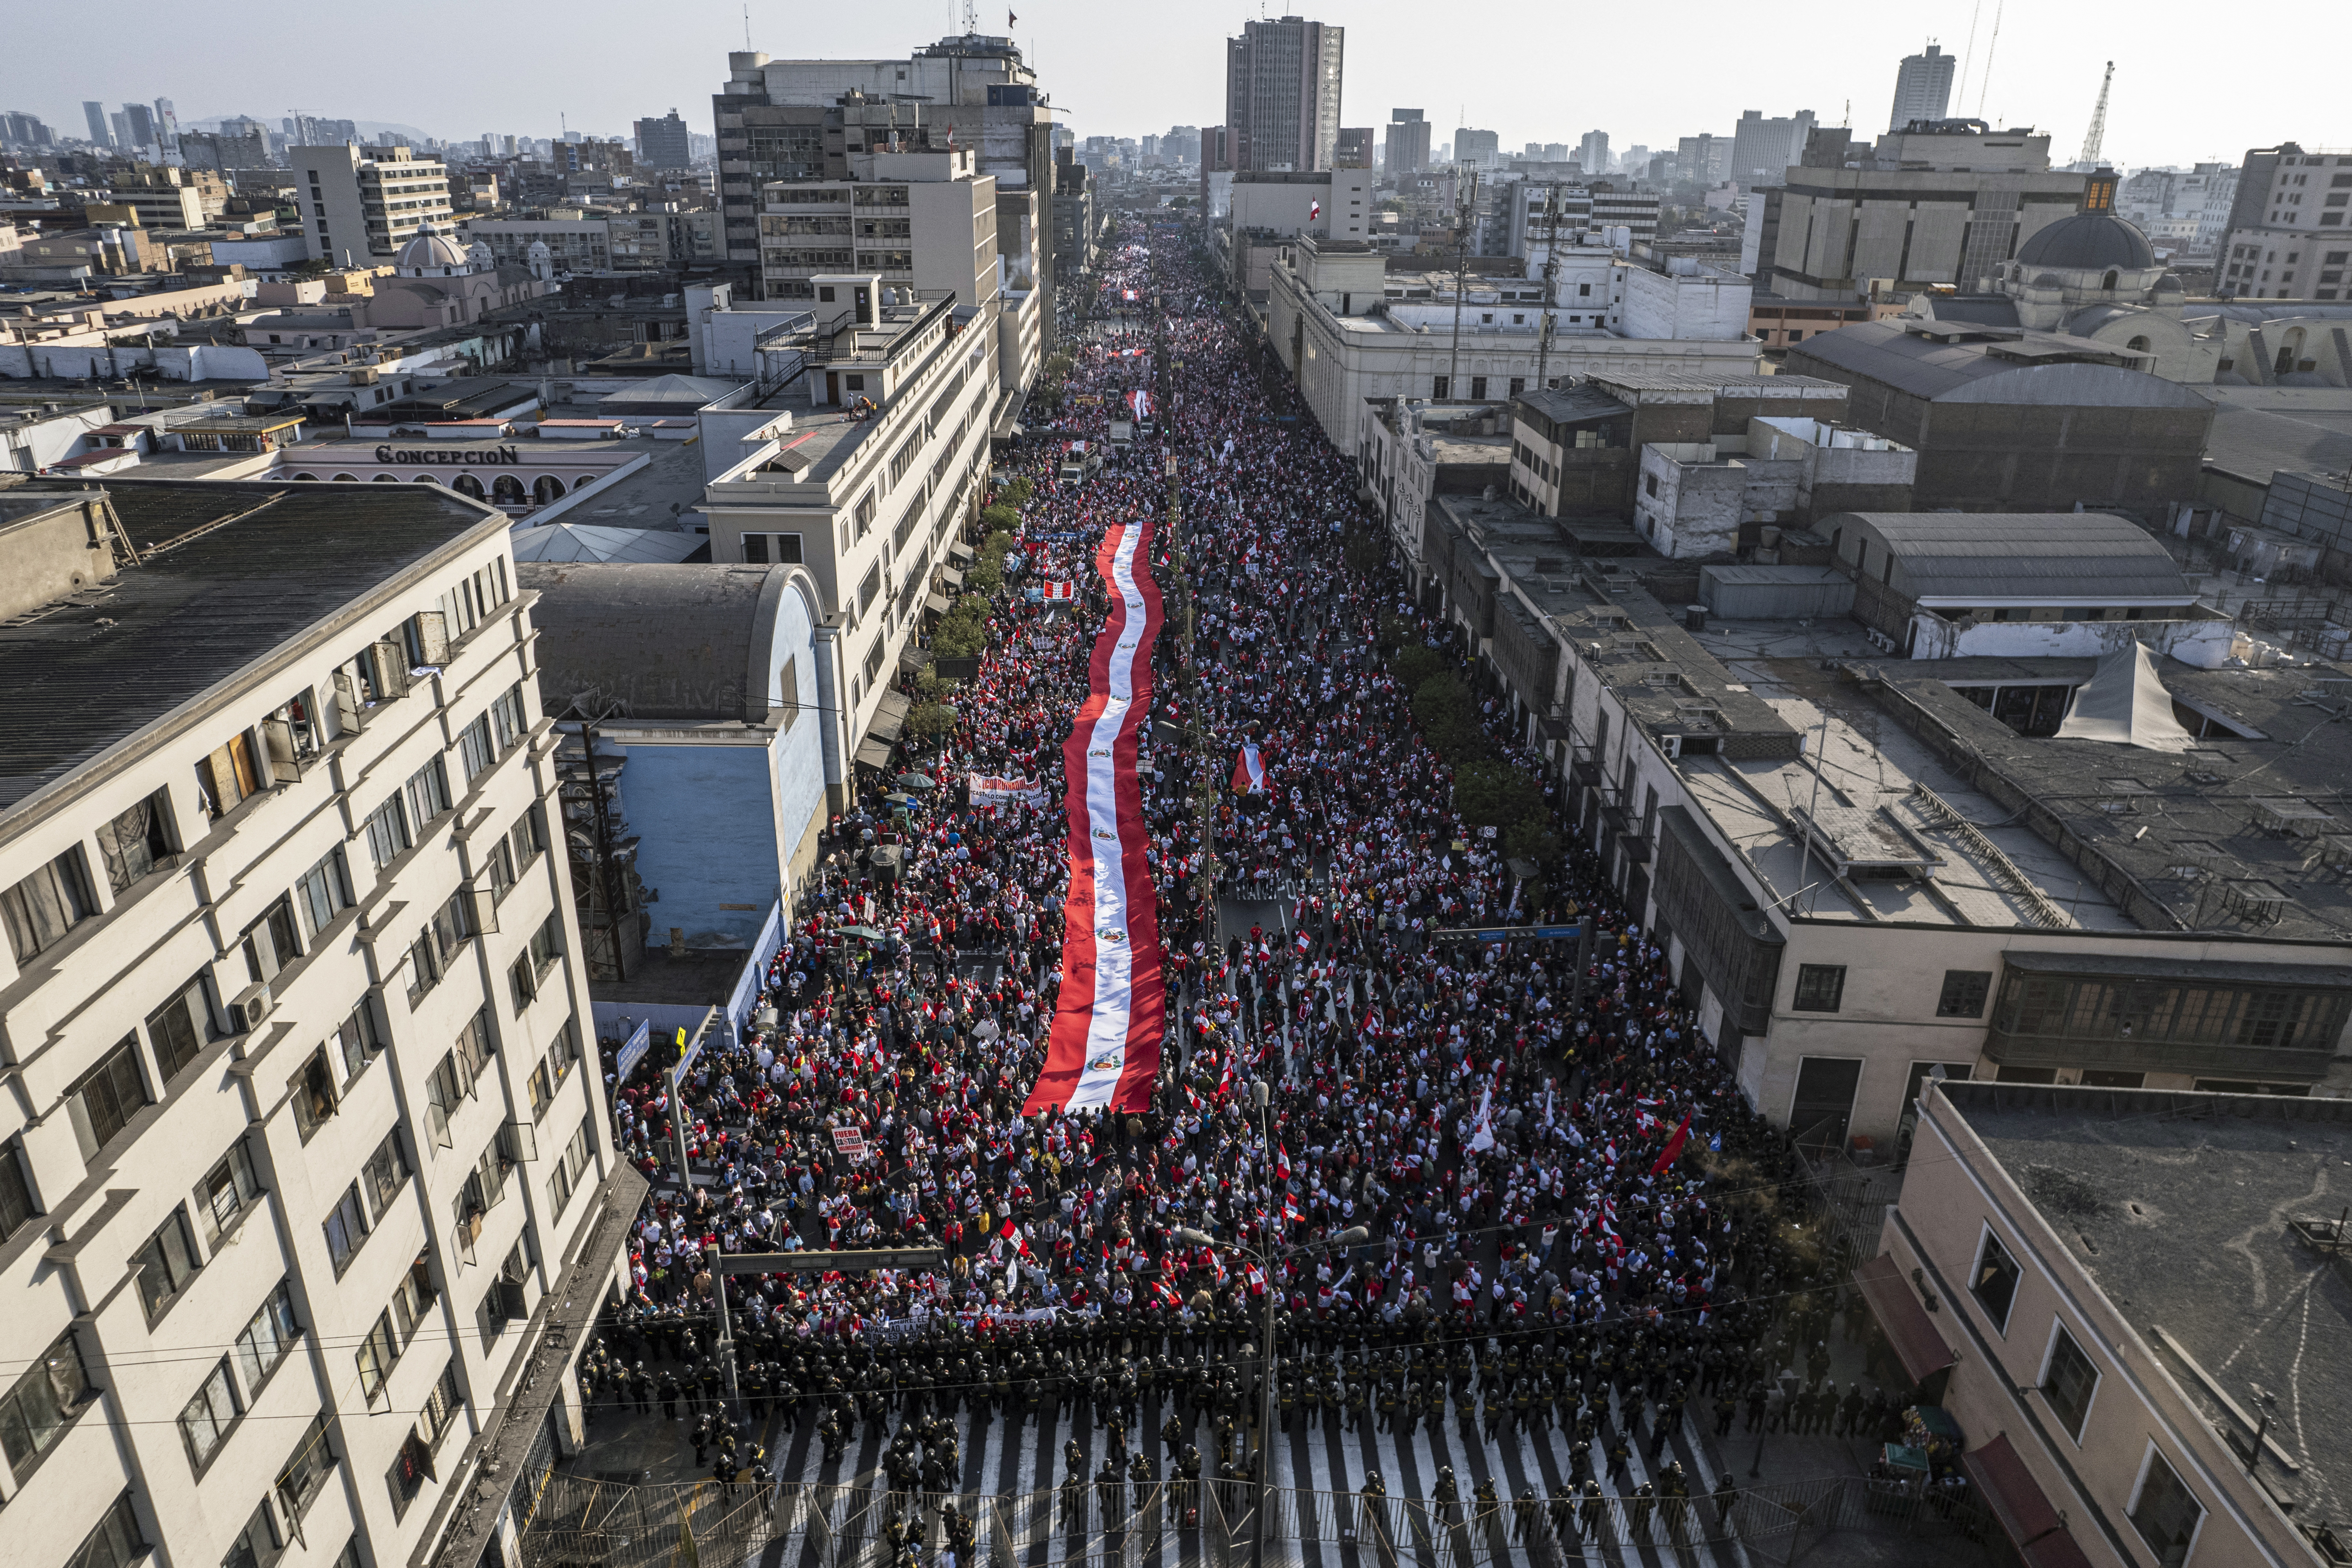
(582, 1521)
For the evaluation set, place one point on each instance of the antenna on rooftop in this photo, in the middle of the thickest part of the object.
(1984, 82)
(747, 27)
(1961, 98)
(2093, 137)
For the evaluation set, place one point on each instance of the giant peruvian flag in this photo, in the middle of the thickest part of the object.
(1103, 1049)
(1249, 771)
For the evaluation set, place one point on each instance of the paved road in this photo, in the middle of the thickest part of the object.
(1004, 1460)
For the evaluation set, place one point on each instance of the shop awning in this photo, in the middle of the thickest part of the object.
(873, 753)
(1907, 1325)
(889, 716)
(2016, 1500)
(936, 603)
(951, 577)
(959, 551)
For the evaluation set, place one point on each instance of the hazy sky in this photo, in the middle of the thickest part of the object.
(1645, 74)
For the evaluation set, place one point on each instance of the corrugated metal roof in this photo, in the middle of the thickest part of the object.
(651, 641)
(254, 567)
(2004, 554)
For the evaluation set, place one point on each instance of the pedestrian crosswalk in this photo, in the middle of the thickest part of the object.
(1012, 1471)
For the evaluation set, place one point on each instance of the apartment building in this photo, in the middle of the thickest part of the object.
(2017, 855)
(2290, 226)
(858, 451)
(362, 205)
(304, 1168)
(2103, 1290)
(1350, 329)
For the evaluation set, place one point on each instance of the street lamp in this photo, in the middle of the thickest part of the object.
(1354, 1236)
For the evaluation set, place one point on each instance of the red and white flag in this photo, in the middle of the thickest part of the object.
(1060, 590)
(1674, 1147)
(1140, 401)
(1314, 211)
(1249, 772)
(1103, 1050)
(1281, 1162)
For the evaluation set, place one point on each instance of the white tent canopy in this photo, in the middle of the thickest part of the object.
(2124, 702)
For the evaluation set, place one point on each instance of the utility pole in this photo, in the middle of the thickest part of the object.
(605, 869)
(1465, 207)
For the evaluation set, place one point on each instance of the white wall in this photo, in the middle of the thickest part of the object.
(1709, 309)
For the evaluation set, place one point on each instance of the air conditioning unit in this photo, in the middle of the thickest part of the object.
(1672, 745)
(252, 1006)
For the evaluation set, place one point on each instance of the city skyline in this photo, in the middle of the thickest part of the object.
(2045, 71)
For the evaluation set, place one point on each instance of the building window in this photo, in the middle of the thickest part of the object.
(181, 1028)
(313, 1091)
(269, 942)
(136, 842)
(44, 1402)
(2165, 1514)
(268, 1338)
(346, 1227)
(1963, 996)
(1821, 987)
(115, 1542)
(427, 794)
(357, 1040)
(16, 1204)
(509, 719)
(387, 833)
(106, 1098)
(1478, 383)
(226, 1189)
(567, 1169)
(306, 1471)
(205, 1419)
(766, 547)
(1993, 1281)
(1440, 387)
(474, 751)
(40, 910)
(256, 1543)
(324, 892)
(2068, 1382)
(165, 1264)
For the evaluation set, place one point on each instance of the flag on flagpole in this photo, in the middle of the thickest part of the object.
(1249, 771)
(1281, 1162)
(1674, 1147)
(1483, 1137)
(1314, 211)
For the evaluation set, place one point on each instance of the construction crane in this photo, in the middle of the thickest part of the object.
(2098, 132)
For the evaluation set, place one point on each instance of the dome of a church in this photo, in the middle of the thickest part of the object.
(2087, 243)
(431, 250)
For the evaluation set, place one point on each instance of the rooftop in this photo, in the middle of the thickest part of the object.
(2182, 1209)
(229, 573)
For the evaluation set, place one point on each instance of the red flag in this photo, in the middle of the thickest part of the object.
(1674, 1147)
(1281, 1162)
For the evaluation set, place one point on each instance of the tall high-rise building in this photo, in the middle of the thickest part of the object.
(21, 129)
(359, 210)
(1282, 95)
(140, 120)
(1923, 88)
(1593, 153)
(664, 143)
(118, 132)
(1483, 148)
(772, 118)
(1408, 141)
(1761, 149)
(94, 112)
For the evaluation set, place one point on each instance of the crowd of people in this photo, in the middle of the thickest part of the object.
(1506, 1184)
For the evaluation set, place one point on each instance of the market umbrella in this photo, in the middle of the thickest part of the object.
(915, 781)
(868, 932)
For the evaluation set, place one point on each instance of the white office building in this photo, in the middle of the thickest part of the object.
(302, 1167)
